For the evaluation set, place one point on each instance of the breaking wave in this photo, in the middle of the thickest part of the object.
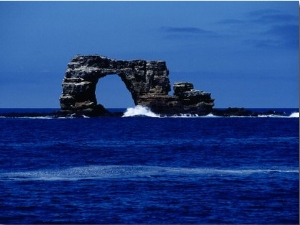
(189, 115)
(28, 117)
(143, 111)
(129, 172)
(139, 111)
(294, 114)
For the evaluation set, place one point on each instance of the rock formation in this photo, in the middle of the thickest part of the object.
(147, 81)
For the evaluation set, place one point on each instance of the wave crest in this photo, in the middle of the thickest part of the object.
(139, 111)
(295, 114)
(93, 172)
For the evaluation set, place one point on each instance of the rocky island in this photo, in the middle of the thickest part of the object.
(147, 81)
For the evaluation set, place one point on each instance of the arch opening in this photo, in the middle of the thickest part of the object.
(111, 92)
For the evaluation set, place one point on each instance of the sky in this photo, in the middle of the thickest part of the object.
(246, 54)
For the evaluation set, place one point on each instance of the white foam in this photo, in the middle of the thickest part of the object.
(271, 115)
(189, 115)
(211, 115)
(129, 172)
(139, 111)
(294, 115)
(36, 117)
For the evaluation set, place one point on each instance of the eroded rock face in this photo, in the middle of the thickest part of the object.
(147, 81)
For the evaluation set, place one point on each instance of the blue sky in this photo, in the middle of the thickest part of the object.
(245, 53)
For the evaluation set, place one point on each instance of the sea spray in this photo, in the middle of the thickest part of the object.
(139, 111)
(295, 114)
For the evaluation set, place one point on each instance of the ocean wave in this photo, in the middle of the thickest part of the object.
(139, 111)
(41, 117)
(129, 172)
(294, 115)
(142, 111)
(189, 115)
(28, 117)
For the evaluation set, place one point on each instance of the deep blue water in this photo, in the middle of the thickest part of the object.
(150, 170)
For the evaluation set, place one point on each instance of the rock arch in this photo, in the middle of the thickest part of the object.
(147, 81)
(83, 72)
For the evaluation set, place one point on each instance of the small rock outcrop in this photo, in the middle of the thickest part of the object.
(147, 81)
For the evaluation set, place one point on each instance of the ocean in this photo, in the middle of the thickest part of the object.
(147, 169)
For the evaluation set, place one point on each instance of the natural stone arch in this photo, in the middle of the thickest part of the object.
(147, 81)
(140, 77)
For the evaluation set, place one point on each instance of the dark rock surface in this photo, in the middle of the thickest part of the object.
(233, 112)
(147, 81)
